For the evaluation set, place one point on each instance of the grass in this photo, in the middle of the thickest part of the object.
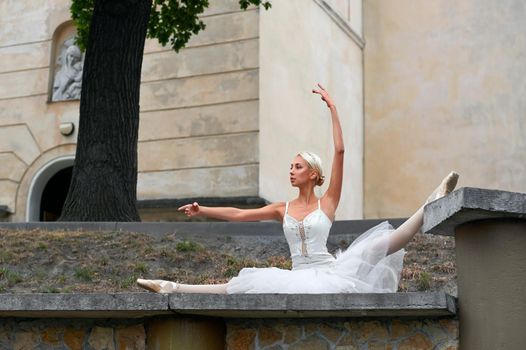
(61, 279)
(84, 273)
(424, 281)
(6, 256)
(127, 282)
(83, 262)
(11, 277)
(140, 267)
(188, 246)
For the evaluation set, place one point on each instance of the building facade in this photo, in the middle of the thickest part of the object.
(421, 88)
(221, 119)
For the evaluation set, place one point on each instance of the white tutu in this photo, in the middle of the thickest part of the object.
(364, 267)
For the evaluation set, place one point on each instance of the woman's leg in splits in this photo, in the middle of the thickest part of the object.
(161, 286)
(405, 233)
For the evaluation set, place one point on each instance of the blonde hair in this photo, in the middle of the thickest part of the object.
(314, 162)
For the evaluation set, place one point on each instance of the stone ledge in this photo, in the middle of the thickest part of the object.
(88, 305)
(471, 204)
(135, 305)
(314, 305)
(196, 228)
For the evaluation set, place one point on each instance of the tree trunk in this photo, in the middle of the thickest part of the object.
(104, 182)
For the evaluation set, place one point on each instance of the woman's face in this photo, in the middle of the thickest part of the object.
(300, 173)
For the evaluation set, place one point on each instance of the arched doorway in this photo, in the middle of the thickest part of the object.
(54, 195)
(48, 190)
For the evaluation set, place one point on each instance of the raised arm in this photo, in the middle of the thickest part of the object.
(274, 211)
(331, 198)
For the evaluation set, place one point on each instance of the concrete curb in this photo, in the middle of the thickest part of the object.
(202, 228)
(136, 305)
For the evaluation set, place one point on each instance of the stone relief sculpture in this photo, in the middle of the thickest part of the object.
(68, 73)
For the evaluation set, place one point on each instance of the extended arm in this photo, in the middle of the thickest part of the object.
(272, 211)
(332, 196)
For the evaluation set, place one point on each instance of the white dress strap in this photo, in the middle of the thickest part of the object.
(286, 208)
(319, 207)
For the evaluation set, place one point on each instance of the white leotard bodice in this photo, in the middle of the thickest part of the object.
(307, 239)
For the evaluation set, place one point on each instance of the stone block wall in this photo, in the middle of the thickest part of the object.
(241, 334)
(346, 334)
(72, 334)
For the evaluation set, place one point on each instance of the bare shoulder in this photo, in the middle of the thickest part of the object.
(278, 208)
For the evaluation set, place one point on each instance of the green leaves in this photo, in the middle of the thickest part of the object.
(81, 12)
(245, 3)
(172, 22)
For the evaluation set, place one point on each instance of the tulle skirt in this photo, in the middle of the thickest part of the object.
(364, 267)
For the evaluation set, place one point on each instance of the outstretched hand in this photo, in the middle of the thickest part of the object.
(190, 209)
(324, 95)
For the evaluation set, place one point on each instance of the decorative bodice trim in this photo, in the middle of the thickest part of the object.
(307, 238)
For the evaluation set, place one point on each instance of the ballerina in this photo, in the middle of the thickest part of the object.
(372, 264)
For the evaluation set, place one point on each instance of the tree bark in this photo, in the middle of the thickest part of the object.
(104, 181)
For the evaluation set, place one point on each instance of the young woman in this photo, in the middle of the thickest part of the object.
(372, 264)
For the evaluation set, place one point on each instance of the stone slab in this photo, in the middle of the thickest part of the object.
(314, 305)
(24, 83)
(57, 226)
(133, 305)
(27, 56)
(222, 181)
(198, 152)
(226, 27)
(89, 305)
(209, 59)
(225, 118)
(200, 90)
(469, 204)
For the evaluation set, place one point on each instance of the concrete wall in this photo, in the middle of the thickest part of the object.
(300, 45)
(444, 89)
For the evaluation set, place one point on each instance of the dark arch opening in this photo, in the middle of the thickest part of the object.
(54, 195)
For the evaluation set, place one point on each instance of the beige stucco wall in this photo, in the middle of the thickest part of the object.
(199, 110)
(350, 11)
(196, 106)
(300, 45)
(29, 135)
(444, 89)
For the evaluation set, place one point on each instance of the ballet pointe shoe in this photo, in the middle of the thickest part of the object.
(149, 285)
(446, 186)
(157, 286)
